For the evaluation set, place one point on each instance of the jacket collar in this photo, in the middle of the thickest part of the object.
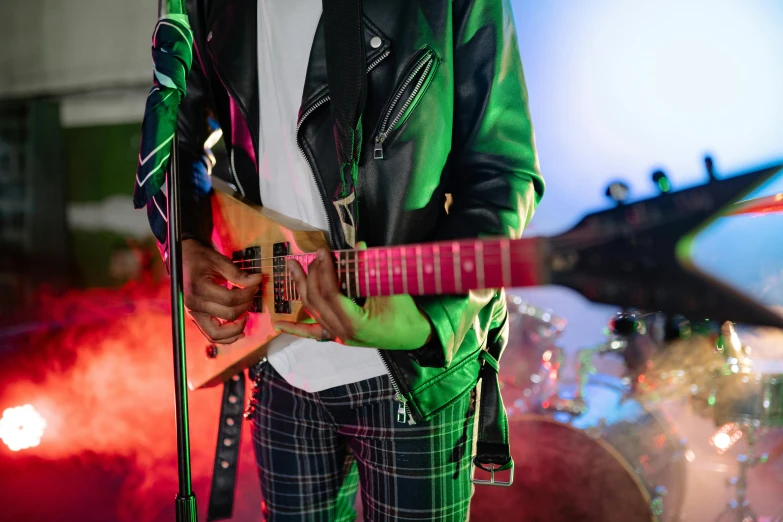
(232, 42)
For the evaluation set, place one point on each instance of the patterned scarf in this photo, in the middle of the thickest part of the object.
(172, 56)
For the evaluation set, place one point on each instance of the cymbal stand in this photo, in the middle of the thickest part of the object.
(738, 509)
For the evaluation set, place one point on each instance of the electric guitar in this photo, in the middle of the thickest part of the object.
(633, 255)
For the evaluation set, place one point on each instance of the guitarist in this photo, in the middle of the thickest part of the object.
(380, 392)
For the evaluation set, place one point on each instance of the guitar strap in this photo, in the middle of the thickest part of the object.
(346, 72)
(224, 473)
(493, 452)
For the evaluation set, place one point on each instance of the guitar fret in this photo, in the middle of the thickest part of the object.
(365, 255)
(438, 282)
(342, 282)
(378, 271)
(404, 272)
(478, 254)
(505, 254)
(457, 267)
(419, 271)
(390, 270)
(355, 256)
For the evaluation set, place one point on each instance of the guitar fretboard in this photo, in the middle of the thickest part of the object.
(452, 267)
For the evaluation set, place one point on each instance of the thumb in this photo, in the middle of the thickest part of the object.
(236, 276)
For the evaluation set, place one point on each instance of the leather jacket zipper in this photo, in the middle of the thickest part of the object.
(420, 73)
(404, 415)
(403, 412)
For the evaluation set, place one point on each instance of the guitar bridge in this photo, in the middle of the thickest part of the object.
(249, 260)
(282, 302)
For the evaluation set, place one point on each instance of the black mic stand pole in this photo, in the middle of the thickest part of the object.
(186, 500)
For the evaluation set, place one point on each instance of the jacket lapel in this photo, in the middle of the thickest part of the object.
(376, 46)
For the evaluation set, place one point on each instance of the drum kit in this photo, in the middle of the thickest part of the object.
(591, 434)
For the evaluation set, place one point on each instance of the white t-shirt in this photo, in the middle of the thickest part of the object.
(285, 36)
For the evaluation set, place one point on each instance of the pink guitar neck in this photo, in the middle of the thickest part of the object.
(449, 267)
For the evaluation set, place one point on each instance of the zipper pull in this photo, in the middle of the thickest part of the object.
(378, 151)
(401, 411)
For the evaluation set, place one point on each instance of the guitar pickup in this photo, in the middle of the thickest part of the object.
(279, 271)
(249, 260)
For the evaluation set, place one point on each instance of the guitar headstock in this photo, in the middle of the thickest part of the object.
(637, 255)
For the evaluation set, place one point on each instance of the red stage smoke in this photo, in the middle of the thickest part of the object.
(103, 382)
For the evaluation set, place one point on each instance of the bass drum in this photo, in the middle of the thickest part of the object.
(618, 462)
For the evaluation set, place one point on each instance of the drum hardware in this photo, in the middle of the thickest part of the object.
(723, 439)
(531, 362)
(556, 404)
(657, 503)
(738, 509)
(615, 460)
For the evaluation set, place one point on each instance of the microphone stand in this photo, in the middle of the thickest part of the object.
(185, 500)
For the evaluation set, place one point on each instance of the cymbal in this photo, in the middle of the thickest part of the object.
(763, 205)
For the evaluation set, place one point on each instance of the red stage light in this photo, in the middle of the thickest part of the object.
(22, 427)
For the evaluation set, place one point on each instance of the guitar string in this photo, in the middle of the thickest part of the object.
(575, 242)
(444, 254)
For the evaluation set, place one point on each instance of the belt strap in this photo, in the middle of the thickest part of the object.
(493, 452)
(224, 473)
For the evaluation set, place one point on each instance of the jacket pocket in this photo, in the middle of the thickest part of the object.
(407, 93)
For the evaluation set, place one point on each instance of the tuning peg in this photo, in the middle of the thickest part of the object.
(710, 166)
(626, 324)
(676, 328)
(618, 192)
(661, 181)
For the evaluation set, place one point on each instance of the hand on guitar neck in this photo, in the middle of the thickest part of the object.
(390, 322)
(219, 312)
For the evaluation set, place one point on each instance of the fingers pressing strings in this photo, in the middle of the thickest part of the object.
(320, 295)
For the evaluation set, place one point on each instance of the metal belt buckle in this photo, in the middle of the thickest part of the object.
(491, 469)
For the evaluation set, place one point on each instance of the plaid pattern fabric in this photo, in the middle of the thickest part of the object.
(312, 449)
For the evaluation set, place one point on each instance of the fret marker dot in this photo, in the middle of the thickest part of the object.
(428, 269)
(468, 265)
(372, 271)
(343, 285)
(397, 270)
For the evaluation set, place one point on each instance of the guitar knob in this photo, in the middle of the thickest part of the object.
(212, 351)
(618, 192)
(709, 165)
(661, 181)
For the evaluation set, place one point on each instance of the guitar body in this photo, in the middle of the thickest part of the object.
(237, 227)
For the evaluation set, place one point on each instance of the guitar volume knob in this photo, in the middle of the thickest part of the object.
(212, 351)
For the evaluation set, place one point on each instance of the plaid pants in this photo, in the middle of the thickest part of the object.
(313, 449)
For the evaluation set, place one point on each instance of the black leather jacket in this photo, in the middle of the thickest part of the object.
(466, 131)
